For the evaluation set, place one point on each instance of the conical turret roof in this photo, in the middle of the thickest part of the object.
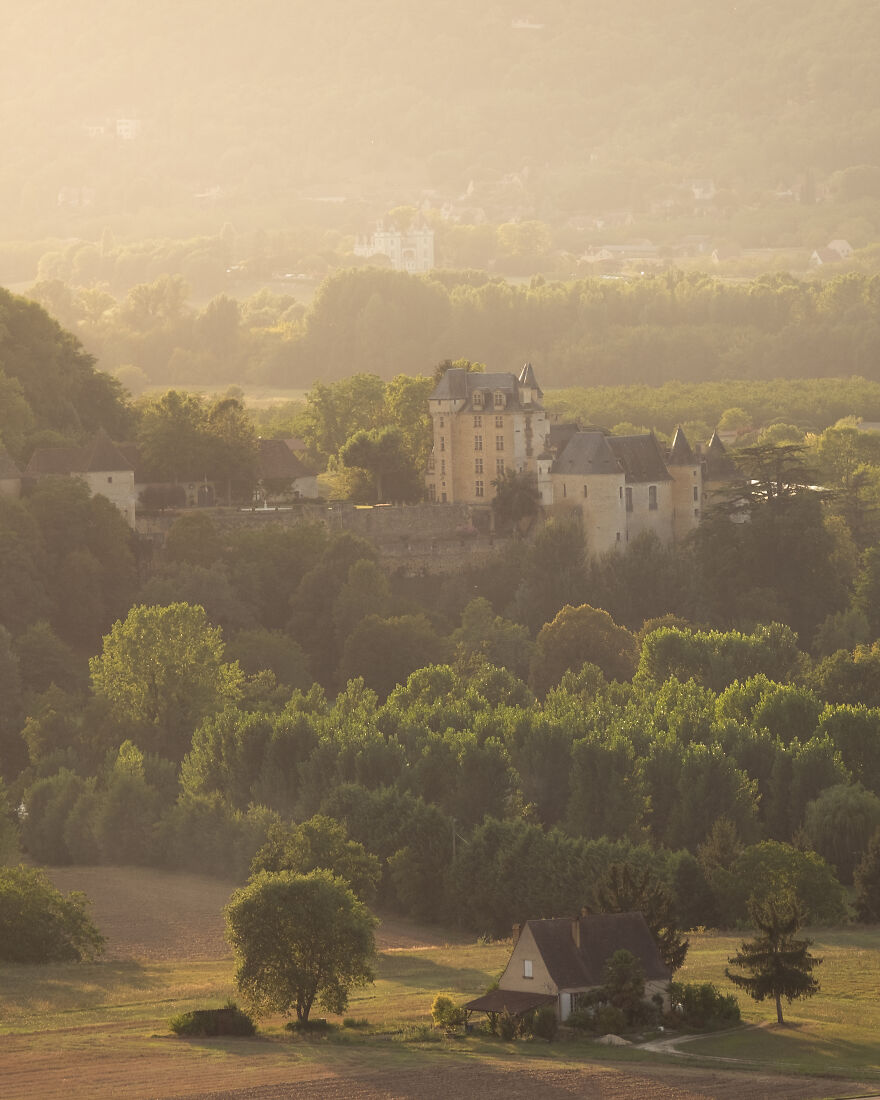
(680, 453)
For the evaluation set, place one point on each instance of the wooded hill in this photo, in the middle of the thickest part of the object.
(244, 112)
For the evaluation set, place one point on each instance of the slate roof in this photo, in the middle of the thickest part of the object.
(719, 465)
(458, 384)
(527, 378)
(98, 455)
(680, 453)
(559, 435)
(601, 934)
(277, 461)
(587, 453)
(640, 456)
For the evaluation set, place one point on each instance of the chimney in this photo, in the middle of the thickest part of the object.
(515, 934)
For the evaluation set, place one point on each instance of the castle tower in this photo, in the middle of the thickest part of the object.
(687, 486)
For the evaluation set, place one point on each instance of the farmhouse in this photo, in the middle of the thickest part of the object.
(101, 464)
(556, 961)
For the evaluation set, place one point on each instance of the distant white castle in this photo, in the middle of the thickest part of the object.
(412, 251)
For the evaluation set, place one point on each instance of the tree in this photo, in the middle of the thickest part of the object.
(386, 650)
(867, 882)
(298, 939)
(840, 823)
(382, 452)
(578, 636)
(777, 965)
(516, 497)
(626, 888)
(39, 925)
(163, 668)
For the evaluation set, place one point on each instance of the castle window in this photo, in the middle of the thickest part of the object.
(696, 513)
(499, 421)
(478, 421)
(442, 442)
(478, 488)
(696, 493)
(110, 479)
(527, 968)
(629, 500)
(442, 465)
(499, 442)
(442, 422)
(478, 443)
(652, 497)
(621, 492)
(478, 399)
(478, 465)
(499, 400)
(585, 492)
(499, 466)
(618, 536)
(564, 490)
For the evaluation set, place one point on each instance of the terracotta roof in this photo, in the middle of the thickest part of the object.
(640, 456)
(277, 461)
(601, 934)
(8, 469)
(587, 453)
(497, 1000)
(680, 453)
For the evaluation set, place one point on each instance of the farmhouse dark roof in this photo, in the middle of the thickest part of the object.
(640, 456)
(680, 453)
(587, 453)
(601, 934)
(54, 460)
(103, 454)
(277, 461)
(512, 1000)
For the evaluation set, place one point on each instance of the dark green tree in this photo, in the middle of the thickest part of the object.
(867, 883)
(38, 924)
(776, 964)
(299, 939)
(626, 888)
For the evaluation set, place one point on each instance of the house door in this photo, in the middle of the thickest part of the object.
(564, 1006)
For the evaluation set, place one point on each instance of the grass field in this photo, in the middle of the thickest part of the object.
(93, 1030)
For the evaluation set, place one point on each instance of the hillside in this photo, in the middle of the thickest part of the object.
(265, 106)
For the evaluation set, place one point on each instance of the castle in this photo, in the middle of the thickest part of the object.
(618, 486)
(412, 251)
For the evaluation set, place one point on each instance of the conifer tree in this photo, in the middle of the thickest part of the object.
(777, 964)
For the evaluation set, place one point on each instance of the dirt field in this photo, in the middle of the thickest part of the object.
(150, 915)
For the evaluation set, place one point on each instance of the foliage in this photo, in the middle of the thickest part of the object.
(204, 1023)
(626, 888)
(578, 636)
(701, 1005)
(776, 964)
(298, 939)
(445, 1013)
(867, 882)
(840, 824)
(38, 924)
(546, 1023)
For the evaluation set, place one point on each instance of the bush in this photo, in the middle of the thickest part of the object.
(609, 1020)
(39, 925)
(508, 1026)
(203, 1023)
(703, 1006)
(581, 1019)
(546, 1023)
(446, 1014)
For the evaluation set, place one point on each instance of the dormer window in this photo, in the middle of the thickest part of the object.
(499, 400)
(478, 399)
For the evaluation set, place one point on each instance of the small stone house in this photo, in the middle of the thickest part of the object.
(100, 464)
(556, 961)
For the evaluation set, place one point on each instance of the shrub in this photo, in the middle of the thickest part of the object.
(355, 1022)
(446, 1014)
(508, 1026)
(609, 1020)
(581, 1019)
(546, 1023)
(701, 1005)
(203, 1023)
(39, 925)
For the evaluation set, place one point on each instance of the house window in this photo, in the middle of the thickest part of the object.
(499, 421)
(478, 421)
(499, 401)
(696, 493)
(652, 498)
(478, 443)
(499, 442)
(478, 399)
(499, 466)
(527, 968)
(478, 488)
(442, 442)
(629, 500)
(478, 465)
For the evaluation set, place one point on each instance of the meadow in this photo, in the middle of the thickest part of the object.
(94, 1029)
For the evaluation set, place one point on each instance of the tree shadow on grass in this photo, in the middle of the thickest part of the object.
(73, 986)
(422, 971)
